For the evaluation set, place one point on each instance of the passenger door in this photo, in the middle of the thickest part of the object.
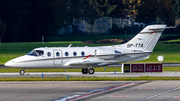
(57, 55)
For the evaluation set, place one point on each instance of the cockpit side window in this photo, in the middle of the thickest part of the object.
(32, 53)
(36, 53)
(39, 52)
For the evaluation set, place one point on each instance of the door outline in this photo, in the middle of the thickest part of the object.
(57, 60)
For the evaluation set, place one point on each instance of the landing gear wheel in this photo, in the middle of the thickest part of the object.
(85, 71)
(22, 72)
(91, 71)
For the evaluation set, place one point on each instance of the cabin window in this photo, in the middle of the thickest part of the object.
(36, 53)
(82, 53)
(66, 53)
(49, 54)
(57, 54)
(74, 53)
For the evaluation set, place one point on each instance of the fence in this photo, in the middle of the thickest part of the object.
(105, 26)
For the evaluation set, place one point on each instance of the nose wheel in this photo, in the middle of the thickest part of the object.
(22, 72)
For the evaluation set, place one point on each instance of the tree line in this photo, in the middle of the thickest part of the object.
(29, 20)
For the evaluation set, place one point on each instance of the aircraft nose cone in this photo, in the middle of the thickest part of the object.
(9, 63)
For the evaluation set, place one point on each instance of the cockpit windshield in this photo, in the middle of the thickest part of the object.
(36, 53)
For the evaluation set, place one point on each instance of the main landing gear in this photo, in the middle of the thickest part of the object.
(21, 72)
(86, 70)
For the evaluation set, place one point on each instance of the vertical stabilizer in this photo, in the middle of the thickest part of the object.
(146, 39)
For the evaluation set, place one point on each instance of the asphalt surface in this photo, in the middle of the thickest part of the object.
(90, 91)
(57, 90)
(152, 91)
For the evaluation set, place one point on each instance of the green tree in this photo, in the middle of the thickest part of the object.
(99, 8)
(92, 13)
(75, 11)
(166, 11)
(106, 7)
(146, 13)
(59, 13)
(29, 20)
(16, 15)
(2, 29)
(131, 7)
(119, 11)
(177, 9)
(43, 19)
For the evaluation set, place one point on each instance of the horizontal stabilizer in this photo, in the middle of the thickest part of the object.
(159, 27)
(154, 28)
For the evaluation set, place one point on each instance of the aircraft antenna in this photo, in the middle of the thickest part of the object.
(42, 41)
(70, 45)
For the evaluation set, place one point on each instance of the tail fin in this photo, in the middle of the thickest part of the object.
(146, 39)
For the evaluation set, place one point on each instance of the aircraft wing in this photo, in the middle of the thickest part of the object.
(86, 63)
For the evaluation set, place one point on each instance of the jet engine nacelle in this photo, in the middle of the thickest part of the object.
(105, 54)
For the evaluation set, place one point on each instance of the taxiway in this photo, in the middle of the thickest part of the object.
(152, 91)
(90, 91)
(56, 90)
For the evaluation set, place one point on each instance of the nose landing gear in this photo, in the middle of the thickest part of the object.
(21, 72)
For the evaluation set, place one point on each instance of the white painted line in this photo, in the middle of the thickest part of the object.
(66, 98)
(153, 96)
(119, 96)
(9, 74)
(146, 88)
(94, 92)
(99, 92)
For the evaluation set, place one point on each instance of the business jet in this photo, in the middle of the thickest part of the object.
(138, 48)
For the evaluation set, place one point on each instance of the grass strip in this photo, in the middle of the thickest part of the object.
(99, 69)
(142, 78)
(107, 69)
(9, 51)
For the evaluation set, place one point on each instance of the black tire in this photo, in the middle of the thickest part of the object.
(91, 71)
(22, 72)
(84, 71)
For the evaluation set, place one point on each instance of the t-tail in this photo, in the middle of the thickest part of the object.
(146, 39)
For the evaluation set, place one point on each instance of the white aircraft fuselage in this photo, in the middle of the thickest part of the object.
(76, 57)
(138, 48)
